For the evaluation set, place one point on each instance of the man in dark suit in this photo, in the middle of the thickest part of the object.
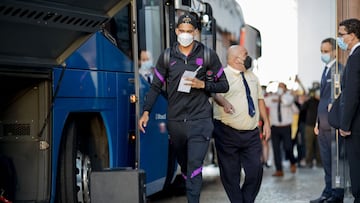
(322, 128)
(349, 35)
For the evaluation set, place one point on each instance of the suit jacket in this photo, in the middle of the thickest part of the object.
(350, 98)
(325, 99)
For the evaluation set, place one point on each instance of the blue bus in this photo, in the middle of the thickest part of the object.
(71, 93)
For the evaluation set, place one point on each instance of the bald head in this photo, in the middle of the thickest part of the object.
(235, 51)
(236, 56)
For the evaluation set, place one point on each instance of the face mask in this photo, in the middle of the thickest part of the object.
(280, 91)
(325, 58)
(317, 93)
(185, 39)
(146, 65)
(341, 43)
(248, 62)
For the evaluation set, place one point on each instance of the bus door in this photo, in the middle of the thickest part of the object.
(153, 148)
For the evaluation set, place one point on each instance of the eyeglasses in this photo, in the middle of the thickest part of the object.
(342, 34)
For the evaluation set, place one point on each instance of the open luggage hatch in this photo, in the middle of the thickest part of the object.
(46, 32)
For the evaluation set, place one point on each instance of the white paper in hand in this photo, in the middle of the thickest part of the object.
(182, 85)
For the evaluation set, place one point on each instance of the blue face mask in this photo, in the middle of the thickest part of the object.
(341, 43)
(325, 58)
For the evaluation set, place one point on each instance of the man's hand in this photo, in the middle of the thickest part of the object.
(316, 129)
(266, 131)
(228, 107)
(143, 121)
(221, 101)
(195, 83)
(344, 133)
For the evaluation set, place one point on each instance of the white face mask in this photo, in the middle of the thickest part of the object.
(185, 39)
(317, 93)
(146, 65)
(325, 58)
(280, 91)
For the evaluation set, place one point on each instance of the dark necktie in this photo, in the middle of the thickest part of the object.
(279, 110)
(251, 106)
(323, 78)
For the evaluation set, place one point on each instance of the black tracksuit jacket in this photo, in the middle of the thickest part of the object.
(187, 106)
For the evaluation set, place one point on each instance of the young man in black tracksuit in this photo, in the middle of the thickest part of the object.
(189, 110)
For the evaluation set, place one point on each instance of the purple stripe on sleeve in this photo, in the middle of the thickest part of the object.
(196, 172)
(218, 75)
(161, 78)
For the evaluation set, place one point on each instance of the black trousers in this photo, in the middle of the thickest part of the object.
(190, 140)
(352, 145)
(239, 149)
(325, 138)
(278, 135)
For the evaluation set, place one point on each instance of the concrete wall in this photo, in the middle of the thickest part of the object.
(316, 21)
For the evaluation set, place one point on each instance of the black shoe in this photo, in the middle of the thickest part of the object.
(266, 165)
(334, 200)
(321, 199)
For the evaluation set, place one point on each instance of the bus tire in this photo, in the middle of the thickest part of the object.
(74, 169)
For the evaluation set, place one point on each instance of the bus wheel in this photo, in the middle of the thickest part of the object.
(83, 169)
(74, 169)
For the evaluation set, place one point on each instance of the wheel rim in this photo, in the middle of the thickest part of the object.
(83, 169)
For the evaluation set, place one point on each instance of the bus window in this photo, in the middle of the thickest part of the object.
(208, 34)
(150, 25)
(251, 39)
(118, 31)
